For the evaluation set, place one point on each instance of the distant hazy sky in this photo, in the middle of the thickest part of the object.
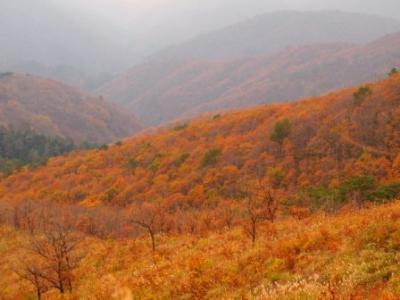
(389, 8)
(143, 17)
(143, 8)
(55, 31)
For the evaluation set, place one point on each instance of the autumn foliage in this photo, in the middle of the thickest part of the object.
(267, 202)
(330, 140)
(352, 255)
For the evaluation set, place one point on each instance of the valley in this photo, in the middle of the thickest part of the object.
(199, 150)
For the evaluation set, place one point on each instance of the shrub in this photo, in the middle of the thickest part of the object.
(387, 192)
(359, 188)
(393, 72)
(182, 159)
(7, 166)
(210, 157)
(324, 198)
(276, 175)
(132, 164)
(315, 198)
(103, 147)
(361, 94)
(156, 162)
(109, 195)
(181, 126)
(281, 131)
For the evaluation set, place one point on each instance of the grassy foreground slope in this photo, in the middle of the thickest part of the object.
(353, 255)
(315, 142)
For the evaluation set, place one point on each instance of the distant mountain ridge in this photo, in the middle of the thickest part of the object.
(275, 31)
(55, 109)
(162, 90)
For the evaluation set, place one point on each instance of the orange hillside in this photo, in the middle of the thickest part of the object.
(351, 132)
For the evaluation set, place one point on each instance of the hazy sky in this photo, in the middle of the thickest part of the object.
(142, 9)
(67, 31)
(390, 8)
(182, 19)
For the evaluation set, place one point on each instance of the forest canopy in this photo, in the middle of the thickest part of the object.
(25, 147)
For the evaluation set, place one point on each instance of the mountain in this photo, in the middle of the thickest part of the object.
(67, 74)
(52, 108)
(160, 91)
(318, 142)
(275, 31)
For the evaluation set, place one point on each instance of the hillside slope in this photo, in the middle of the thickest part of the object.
(348, 133)
(52, 108)
(162, 91)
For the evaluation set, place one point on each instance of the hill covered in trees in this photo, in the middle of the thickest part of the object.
(160, 91)
(318, 142)
(54, 109)
(236, 204)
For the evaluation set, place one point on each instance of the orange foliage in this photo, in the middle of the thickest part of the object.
(330, 139)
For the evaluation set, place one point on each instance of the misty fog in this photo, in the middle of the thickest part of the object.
(105, 37)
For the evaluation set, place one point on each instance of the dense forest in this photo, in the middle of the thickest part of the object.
(25, 147)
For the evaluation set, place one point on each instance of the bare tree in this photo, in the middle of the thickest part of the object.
(260, 206)
(150, 217)
(253, 216)
(53, 258)
(268, 201)
(186, 222)
(24, 217)
(33, 274)
(228, 214)
(6, 213)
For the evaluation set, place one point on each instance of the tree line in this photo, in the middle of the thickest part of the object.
(25, 147)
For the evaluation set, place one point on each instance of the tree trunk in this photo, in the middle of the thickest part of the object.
(69, 285)
(153, 240)
(253, 232)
